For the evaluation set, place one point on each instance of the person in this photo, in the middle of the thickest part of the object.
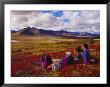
(46, 60)
(68, 59)
(79, 50)
(85, 53)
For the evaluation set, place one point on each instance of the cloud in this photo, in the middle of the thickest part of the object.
(21, 12)
(82, 20)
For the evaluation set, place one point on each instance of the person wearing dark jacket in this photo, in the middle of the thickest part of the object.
(79, 50)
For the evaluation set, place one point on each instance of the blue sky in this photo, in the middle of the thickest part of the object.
(74, 21)
(54, 13)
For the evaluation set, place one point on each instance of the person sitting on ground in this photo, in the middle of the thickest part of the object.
(46, 60)
(79, 51)
(68, 59)
(85, 53)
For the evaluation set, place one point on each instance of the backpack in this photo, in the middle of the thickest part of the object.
(56, 66)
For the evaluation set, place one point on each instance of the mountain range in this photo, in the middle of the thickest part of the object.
(34, 32)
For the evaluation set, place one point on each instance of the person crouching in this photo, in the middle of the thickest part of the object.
(68, 59)
(46, 60)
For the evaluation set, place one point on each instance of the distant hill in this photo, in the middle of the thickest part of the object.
(34, 32)
(13, 31)
(29, 31)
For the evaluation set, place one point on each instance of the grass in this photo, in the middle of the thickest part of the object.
(29, 49)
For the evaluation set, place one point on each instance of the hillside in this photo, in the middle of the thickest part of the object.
(35, 32)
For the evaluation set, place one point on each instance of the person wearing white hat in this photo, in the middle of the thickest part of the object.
(68, 59)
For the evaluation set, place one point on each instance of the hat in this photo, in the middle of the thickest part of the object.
(68, 53)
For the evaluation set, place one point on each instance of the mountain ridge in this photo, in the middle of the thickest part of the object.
(35, 32)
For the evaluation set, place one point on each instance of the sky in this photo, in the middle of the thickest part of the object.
(67, 20)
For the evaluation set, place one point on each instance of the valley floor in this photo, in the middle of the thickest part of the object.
(26, 50)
